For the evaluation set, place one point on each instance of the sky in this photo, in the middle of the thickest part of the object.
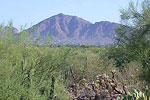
(30, 12)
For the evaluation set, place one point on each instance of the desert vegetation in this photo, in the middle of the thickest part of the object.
(30, 71)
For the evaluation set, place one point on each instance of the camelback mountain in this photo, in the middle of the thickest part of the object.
(72, 30)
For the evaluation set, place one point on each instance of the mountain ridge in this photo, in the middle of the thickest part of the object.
(67, 29)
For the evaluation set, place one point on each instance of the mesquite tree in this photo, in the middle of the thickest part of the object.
(133, 41)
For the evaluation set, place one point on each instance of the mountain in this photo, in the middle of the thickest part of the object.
(66, 29)
(13, 29)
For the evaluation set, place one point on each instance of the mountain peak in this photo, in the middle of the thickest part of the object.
(60, 14)
(68, 29)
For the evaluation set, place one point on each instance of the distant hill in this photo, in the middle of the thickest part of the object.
(14, 30)
(66, 29)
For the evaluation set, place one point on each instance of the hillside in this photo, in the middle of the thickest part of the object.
(66, 29)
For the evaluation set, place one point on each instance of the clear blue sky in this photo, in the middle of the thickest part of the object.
(33, 11)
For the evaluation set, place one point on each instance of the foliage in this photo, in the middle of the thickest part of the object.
(133, 37)
(30, 71)
(135, 95)
(105, 87)
(26, 69)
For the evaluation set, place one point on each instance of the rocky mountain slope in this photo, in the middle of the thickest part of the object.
(66, 29)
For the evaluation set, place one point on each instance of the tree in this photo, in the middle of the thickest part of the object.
(133, 41)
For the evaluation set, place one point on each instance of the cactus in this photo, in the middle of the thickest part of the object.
(105, 87)
(135, 95)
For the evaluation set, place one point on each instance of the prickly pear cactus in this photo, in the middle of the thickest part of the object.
(135, 95)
